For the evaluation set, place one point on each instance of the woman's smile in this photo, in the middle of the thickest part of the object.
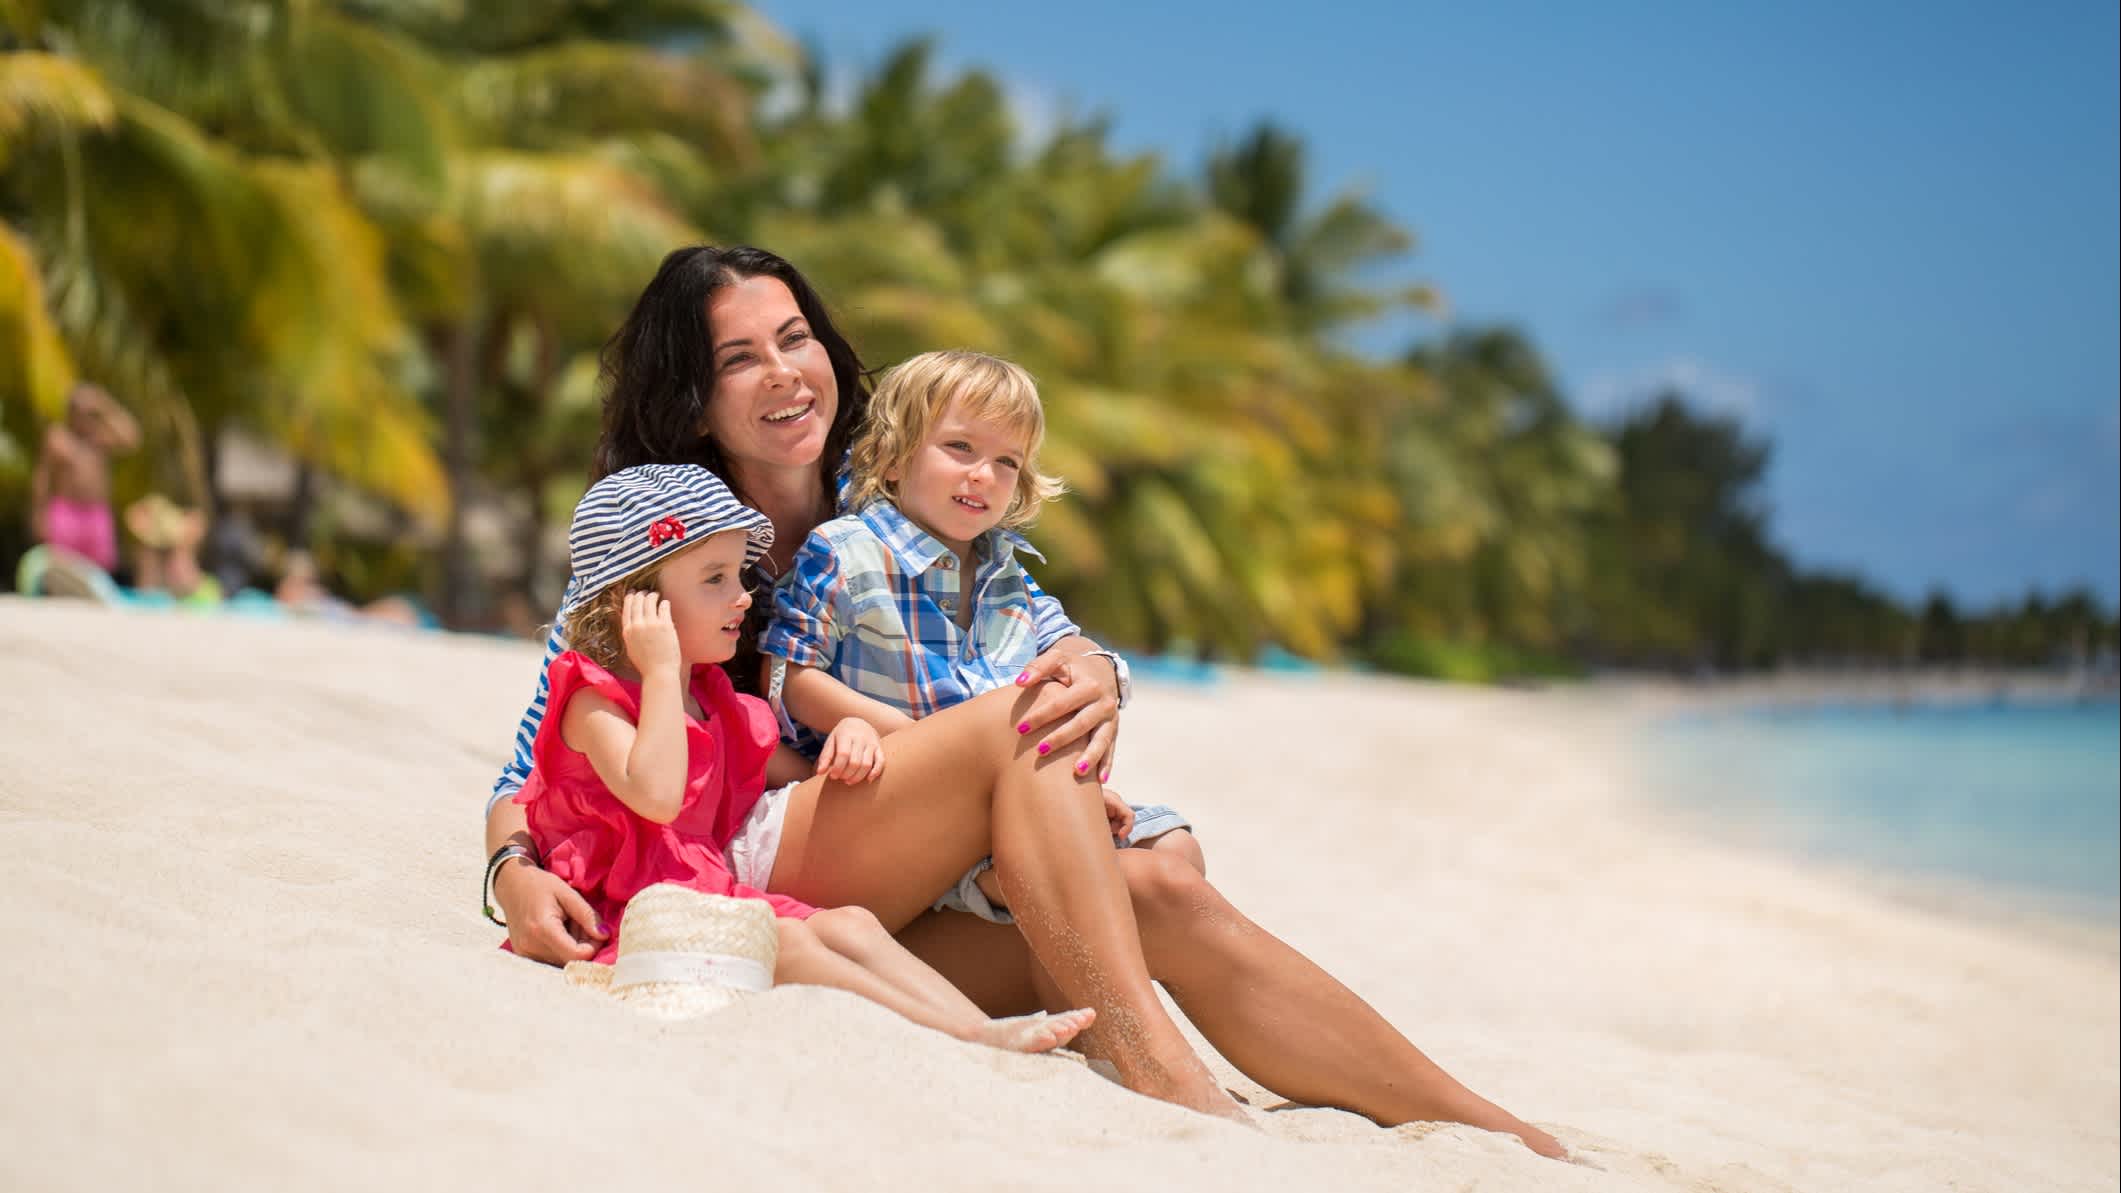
(774, 394)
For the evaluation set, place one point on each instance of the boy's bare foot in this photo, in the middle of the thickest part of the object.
(1033, 1033)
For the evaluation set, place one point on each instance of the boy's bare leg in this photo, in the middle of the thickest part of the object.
(1181, 844)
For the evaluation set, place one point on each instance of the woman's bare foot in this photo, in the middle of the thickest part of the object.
(1033, 1033)
(1480, 1112)
(1539, 1141)
(1186, 1082)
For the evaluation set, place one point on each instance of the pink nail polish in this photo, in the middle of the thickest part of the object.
(1045, 747)
(1022, 678)
(1023, 727)
(1081, 767)
(1105, 778)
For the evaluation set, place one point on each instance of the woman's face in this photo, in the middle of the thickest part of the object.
(773, 395)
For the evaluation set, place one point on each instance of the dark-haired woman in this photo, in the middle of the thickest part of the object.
(730, 360)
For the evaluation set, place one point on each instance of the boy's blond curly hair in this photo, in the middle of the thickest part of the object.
(913, 395)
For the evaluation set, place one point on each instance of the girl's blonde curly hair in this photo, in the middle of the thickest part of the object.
(913, 395)
(592, 627)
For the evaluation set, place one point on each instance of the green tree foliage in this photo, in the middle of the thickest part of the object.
(389, 237)
(1686, 576)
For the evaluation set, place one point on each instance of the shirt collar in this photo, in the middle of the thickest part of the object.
(918, 550)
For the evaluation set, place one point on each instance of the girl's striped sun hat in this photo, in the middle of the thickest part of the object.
(637, 517)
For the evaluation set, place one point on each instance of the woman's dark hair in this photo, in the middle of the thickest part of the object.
(660, 366)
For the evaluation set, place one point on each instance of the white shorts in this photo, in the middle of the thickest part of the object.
(758, 840)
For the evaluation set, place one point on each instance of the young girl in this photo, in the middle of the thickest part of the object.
(649, 765)
(917, 601)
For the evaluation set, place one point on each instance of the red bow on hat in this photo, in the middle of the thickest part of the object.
(664, 530)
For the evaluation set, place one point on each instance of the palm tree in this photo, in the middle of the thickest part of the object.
(212, 281)
(1503, 483)
(570, 127)
(1260, 181)
(1197, 427)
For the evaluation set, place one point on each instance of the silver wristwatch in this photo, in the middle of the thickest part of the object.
(1119, 672)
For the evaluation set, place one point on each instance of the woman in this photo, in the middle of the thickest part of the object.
(729, 360)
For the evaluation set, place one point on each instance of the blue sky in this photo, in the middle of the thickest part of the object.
(1884, 234)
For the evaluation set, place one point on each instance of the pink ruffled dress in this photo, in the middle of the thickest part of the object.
(609, 854)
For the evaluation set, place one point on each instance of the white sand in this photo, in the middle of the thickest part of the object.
(246, 952)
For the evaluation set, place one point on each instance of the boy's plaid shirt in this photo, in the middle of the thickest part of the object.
(872, 598)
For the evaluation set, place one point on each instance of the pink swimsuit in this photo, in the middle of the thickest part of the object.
(84, 527)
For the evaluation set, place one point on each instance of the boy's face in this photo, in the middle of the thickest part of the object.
(705, 588)
(960, 480)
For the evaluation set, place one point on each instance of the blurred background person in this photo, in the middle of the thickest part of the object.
(70, 487)
(303, 592)
(166, 559)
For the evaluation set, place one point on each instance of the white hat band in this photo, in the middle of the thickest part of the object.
(692, 969)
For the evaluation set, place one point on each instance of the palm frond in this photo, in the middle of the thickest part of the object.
(566, 237)
(561, 96)
(362, 93)
(42, 94)
(35, 367)
(210, 60)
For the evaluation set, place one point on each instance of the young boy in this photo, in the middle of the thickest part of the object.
(917, 601)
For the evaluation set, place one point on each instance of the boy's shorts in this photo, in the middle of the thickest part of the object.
(1150, 822)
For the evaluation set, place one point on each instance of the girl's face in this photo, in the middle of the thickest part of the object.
(960, 481)
(773, 396)
(705, 588)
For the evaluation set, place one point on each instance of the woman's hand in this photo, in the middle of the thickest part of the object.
(1080, 697)
(548, 920)
(853, 752)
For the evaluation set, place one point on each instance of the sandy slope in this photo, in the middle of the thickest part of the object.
(247, 950)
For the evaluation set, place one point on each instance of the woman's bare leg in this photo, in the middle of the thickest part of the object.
(1247, 991)
(952, 784)
(1288, 1024)
(846, 948)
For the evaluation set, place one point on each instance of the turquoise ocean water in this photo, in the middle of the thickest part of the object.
(2023, 796)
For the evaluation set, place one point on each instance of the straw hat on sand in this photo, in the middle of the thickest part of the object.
(683, 952)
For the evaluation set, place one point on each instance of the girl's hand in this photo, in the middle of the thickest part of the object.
(1080, 696)
(853, 752)
(651, 637)
(1120, 815)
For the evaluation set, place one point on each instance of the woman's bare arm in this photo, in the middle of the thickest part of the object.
(548, 920)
